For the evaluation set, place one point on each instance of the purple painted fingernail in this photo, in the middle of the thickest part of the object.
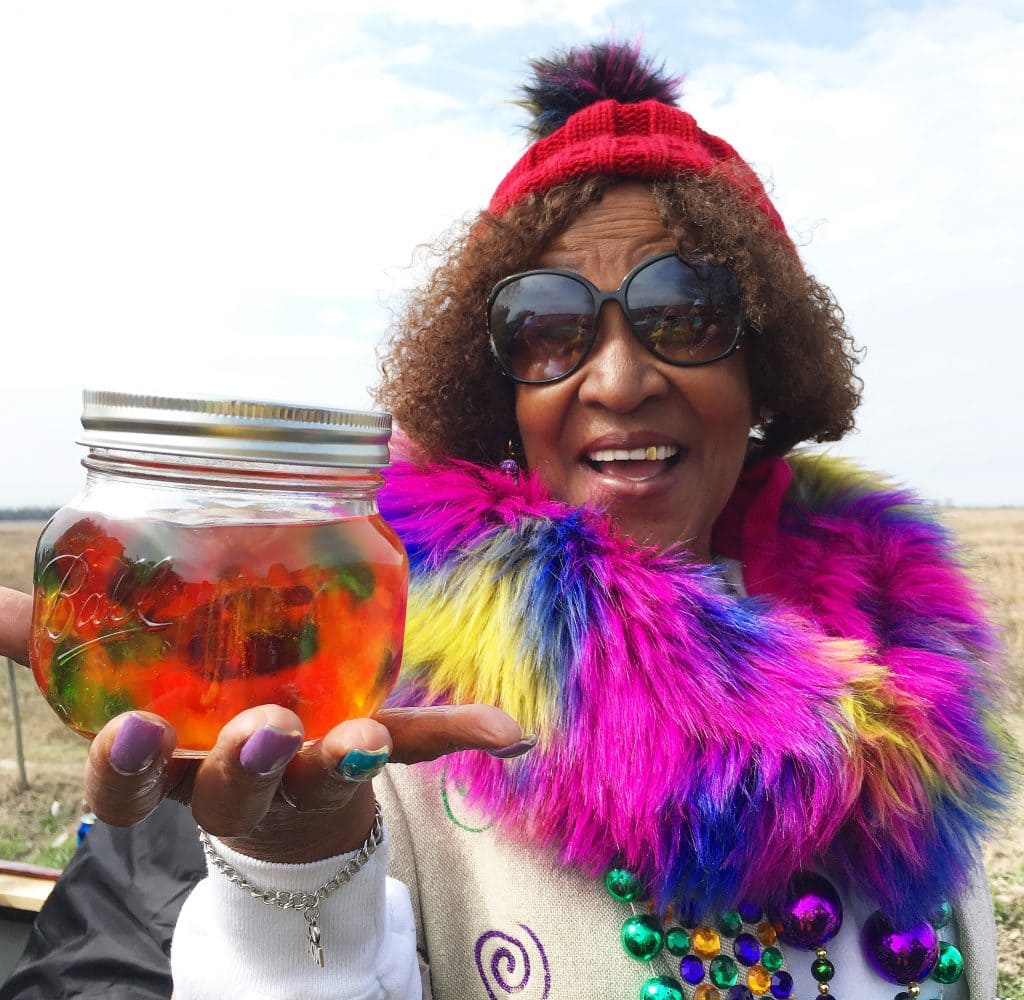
(269, 749)
(516, 749)
(136, 745)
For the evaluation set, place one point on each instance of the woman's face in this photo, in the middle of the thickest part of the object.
(624, 398)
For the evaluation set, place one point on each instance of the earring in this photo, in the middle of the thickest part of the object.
(509, 465)
(766, 415)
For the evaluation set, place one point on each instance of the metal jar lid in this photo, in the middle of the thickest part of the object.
(235, 429)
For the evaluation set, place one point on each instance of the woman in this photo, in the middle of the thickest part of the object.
(755, 691)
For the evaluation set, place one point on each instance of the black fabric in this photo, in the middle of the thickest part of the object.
(106, 929)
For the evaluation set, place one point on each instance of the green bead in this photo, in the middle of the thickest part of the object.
(822, 970)
(950, 966)
(642, 937)
(940, 916)
(723, 972)
(622, 885)
(771, 959)
(730, 923)
(678, 941)
(661, 988)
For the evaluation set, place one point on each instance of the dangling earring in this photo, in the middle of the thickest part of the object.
(757, 430)
(509, 465)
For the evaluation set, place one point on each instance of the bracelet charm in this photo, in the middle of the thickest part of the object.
(316, 952)
(307, 903)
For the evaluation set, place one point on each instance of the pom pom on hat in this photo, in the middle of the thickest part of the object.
(607, 110)
(567, 82)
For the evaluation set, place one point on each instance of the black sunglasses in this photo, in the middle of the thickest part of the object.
(542, 324)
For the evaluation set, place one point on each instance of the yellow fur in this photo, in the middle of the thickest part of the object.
(476, 646)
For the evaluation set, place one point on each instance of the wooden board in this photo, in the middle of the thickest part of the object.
(25, 887)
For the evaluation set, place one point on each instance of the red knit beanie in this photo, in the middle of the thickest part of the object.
(606, 110)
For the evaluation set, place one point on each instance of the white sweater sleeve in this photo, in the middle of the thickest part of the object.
(227, 944)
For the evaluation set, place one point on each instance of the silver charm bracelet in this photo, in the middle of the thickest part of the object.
(307, 903)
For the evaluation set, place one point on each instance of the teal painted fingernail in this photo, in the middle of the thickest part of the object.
(361, 765)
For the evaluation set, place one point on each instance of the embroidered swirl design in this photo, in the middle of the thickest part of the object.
(507, 966)
(446, 801)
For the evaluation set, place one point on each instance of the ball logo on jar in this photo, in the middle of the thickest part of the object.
(71, 607)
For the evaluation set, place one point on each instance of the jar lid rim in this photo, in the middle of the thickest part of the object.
(229, 427)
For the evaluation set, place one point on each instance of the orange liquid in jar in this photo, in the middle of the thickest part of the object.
(198, 622)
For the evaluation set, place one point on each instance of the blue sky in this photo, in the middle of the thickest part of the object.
(226, 198)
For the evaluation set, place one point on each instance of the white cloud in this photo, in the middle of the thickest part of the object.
(176, 174)
(895, 163)
(509, 13)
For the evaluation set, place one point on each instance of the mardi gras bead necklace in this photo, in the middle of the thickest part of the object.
(740, 958)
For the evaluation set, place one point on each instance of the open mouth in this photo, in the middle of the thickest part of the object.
(633, 463)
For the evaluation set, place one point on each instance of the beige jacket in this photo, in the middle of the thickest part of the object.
(495, 919)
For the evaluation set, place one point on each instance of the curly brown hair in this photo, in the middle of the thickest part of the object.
(446, 391)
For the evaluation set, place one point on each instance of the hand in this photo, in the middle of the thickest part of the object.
(325, 805)
(15, 614)
(233, 791)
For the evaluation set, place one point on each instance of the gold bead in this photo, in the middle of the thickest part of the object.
(705, 942)
(914, 990)
(821, 953)
(759, 980)
(823, 989)
(706, 992)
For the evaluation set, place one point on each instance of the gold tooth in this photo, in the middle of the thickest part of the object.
(652, 453)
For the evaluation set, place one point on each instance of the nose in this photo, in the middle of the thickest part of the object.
(620, 374)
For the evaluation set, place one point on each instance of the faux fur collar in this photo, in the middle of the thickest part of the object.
(840, 715)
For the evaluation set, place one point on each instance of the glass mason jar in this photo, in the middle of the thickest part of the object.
(222, 554)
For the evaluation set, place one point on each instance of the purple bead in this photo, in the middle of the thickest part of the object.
(750, 912)
(901, 956)
(782, 984)
(746, 948)
(740, 993)
(813, 912)
(691, 969)
(510, 467)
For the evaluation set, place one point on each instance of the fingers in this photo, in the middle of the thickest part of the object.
(234, 786)
(130, 769)
(15, 615)
(265, 796)
(428, 733)
(126, 775)
(328, 783)
(328, 774)
(324, 776)
(326, 804)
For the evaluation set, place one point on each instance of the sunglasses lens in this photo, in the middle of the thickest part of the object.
(541, 325)
(685, 314)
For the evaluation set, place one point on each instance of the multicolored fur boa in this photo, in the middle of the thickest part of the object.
(841, 715)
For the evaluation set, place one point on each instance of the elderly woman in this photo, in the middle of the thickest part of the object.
(755, 687)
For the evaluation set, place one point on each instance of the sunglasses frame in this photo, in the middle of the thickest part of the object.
(599, 298)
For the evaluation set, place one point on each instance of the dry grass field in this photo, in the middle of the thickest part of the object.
(39, 825)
